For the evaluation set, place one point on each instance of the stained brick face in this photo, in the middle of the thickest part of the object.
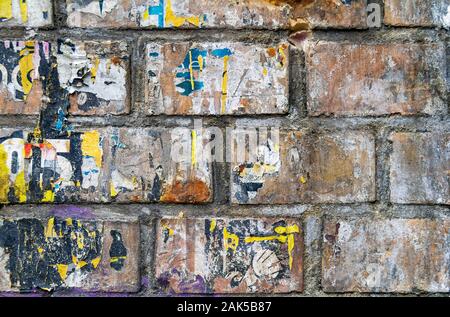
(397, 255)
(419, 168)
(224, 78)
(103, 255)
(318, 168)
(375, 79)
(209, 255)
(415, 12)
(177, 14)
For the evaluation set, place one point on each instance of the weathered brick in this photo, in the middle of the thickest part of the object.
(177, 14)
(321, 168)
(396, 255)
(375, 79)
(56, 253)
(95, 75)
(22, 94)
(330, 14)
(419, 168)
(92, 76)
(30, 13)
(63, 169)
(217, 78)
(207, 255)
(417, 12)
(144, 167)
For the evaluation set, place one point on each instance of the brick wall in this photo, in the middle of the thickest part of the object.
(352, 196)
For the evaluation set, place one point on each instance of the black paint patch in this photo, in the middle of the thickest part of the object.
(34, 254)
(117, 252)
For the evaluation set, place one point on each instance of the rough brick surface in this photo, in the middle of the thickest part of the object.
(217, 78)
(229, 255)
(416, 12)
(420, 168)
(91, 76)
(378, 79)
(330, 14)
(63, 169)
(177, 14)
(29, 13)
(56, 253)
(397, 255)
(142, 168)
(318, 168)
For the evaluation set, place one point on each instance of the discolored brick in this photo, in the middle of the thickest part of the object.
(29, 13)
(95, 76)
(207, 255)
(55, 254)
(392, 255)
(318, 168)
(320, 14)
(217, 78)
(63, 169)
(417, 12)
(419, 168)
(375, 79)
(177, 14)
(158, 165)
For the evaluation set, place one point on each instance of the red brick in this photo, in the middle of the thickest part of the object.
(318, 168)
(142, 169)
(417, 12)
(375, 79)
(419, 168)
(226, 78)
(178, 13)
(104, 255)
(207, 255)
(396, 255)
(330, 14)
(30, 13)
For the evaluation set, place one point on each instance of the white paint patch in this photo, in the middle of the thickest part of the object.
(446, 19)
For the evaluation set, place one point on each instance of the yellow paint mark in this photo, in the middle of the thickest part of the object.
(90, 146)
(21, 187)
(6, 9)
(283, 55)
(50, 229)
(191, 71)
(265, 71)
(62, 270)
(117, 258)
(200, 62)
(212, 225)
(49, 196)
(23, 10)
(80, 240)
(171, 19)
(113, 190)
(285, 234)
(302, 179)
(146, 16)
(4, 175)
(230, 240)
(194, 148)
(40, 250)
(26, 66)
(94, 69)
(169, 231)
(69, 222)
(78, 264)
(95, 262)
(225, 83)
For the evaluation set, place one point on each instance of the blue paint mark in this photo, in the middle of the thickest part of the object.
(189, 85)
(153, 54)
(221, 53)
(159, 11)
(100, 3)
(60, 121)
